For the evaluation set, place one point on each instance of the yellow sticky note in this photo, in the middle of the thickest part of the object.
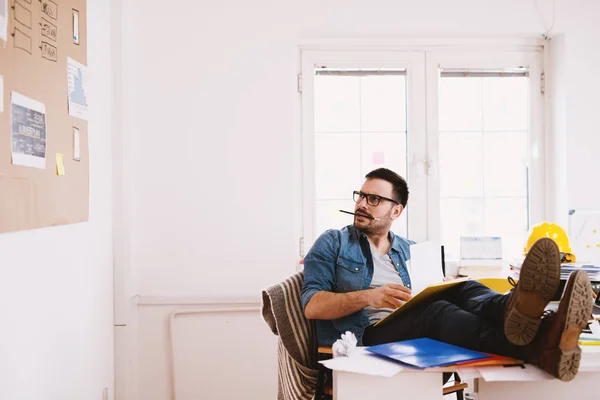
(60, 167)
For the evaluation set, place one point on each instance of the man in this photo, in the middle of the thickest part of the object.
(355, 276)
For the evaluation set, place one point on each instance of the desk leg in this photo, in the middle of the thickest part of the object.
(583, 386)
(407, 385)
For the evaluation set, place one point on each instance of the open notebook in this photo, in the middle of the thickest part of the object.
(426, 277)
(423, 295)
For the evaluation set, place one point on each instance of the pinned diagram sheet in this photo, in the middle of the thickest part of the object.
(77, 91)
(28, 131)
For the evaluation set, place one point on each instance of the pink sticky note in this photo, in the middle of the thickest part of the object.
(379, 157)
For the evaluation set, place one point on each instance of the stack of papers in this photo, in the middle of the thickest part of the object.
(364, 361)
(480, 257)
(589, 339)
(565, 270)
(479, 272)
(592, 270)
(389, 359)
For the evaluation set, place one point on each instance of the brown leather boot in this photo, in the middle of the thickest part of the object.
(557, 348)
(538, 282)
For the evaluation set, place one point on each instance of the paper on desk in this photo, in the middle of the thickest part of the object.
(590, 358)
(469, 373)
(595, 328)
(425, 265)
(514, 373)
(363, 362)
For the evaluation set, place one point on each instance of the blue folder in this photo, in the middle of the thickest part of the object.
(425, 353)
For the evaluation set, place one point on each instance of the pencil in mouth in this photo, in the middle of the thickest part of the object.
(360, 215)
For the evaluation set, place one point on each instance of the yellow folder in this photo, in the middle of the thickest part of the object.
(589, 343)
(420, 297)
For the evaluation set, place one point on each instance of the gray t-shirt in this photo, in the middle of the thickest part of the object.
(384, 272)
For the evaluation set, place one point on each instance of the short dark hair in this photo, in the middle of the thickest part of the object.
(398, 182)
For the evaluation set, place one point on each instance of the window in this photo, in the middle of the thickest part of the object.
(485, 125)
(359, 112)
(360, 125)
(464, 129)
(483, 156)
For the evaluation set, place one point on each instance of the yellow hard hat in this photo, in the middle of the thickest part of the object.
(554, 232)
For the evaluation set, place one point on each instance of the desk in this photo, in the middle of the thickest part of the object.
(411, 385)
(428, 386)
(585, 385)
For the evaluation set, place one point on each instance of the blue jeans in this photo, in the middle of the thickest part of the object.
(469, 315)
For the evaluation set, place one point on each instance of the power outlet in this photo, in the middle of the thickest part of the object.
(105, 394)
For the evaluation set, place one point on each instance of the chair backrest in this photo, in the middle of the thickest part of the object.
(297, 344)
(283, 313)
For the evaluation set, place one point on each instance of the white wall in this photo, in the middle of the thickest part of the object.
(214, 155)
(556, 120)
(56, 335)
(583, 135)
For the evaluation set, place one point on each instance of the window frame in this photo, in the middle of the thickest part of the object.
(414, 63)
(530, 58)
(422, 65)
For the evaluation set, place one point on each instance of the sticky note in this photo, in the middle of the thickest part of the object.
(60, 167)
(378, 157)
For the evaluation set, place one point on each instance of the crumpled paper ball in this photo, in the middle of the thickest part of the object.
(344, 346)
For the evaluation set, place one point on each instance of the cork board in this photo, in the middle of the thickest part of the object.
(35, 189)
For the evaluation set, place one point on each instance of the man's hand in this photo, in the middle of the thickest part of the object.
(328, 305)
(390, 295)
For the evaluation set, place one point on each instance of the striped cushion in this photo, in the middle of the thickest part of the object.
(296, 345)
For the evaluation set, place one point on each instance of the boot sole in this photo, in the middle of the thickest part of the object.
(579, 311)
(539, 280)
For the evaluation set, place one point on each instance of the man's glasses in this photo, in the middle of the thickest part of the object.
(372, 199)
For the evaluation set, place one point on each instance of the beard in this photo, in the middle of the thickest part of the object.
(370, 226)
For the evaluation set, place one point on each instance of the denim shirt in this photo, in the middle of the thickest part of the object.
(340, 261)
